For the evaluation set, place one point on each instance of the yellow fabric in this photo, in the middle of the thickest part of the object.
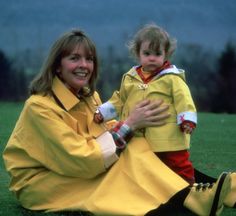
(173, 90)
(56, 164)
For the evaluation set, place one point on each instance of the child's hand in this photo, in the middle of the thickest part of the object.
(98, 118)
(187, 127)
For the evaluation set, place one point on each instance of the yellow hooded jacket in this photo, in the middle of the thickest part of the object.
(170, 86)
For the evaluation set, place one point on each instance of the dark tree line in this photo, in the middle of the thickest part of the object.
(225, 97)
(211, 78)
(13, 82)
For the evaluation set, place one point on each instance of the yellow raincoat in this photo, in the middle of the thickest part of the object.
(170, 86)
(56, 163)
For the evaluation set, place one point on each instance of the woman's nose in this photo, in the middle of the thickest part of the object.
(82, 62)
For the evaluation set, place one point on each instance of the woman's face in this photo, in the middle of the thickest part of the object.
(76, 69)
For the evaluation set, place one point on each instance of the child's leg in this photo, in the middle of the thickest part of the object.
(179, 162)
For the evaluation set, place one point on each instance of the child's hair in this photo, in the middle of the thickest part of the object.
(156, 36)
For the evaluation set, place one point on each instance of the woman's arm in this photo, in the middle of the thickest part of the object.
(56, 146)
(145, 114)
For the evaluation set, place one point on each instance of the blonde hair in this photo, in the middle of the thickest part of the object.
(156, 36)
(42, 83)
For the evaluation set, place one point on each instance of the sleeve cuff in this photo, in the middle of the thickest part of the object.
(108, 148)
(186, 116)
(108, 111)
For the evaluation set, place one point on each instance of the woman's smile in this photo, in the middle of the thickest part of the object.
(76, 69)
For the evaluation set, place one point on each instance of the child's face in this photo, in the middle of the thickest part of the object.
(151, 60)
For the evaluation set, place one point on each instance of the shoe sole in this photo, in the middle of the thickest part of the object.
(223, 182)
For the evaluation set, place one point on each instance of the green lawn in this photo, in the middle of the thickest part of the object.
(213, 151)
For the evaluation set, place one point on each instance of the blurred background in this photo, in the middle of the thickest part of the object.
(205, 31)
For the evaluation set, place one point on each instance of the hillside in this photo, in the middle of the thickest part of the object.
(35, 24)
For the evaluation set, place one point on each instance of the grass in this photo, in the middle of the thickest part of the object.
(213, 151)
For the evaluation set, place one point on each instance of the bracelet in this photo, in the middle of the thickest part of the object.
(120, 142)
(122, 134)
(127, 132)
(124, 131)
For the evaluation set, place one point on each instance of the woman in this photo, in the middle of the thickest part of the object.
(60, 160)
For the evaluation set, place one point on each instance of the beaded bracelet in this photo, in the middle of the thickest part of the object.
(121, 134)
(119, 141)
(127, 132)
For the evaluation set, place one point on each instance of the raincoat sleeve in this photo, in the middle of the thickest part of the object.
(58, 147)
(113, 107)
(110, 109)
(183, 101)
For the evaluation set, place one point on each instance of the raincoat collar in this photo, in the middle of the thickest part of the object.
(173, 70)
(64, 95)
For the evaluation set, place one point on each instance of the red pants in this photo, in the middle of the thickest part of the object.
(179, 162)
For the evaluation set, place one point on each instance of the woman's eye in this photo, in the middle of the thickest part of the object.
(90, 58)
(74, 58)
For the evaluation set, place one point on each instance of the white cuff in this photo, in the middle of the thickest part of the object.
(108, 111)
(108, 148)
(187, 116)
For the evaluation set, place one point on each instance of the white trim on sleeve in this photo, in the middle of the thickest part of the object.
(108, 111)
(108, 148)
(187, 116)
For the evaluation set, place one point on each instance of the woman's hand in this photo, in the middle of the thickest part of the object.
(147, 114)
